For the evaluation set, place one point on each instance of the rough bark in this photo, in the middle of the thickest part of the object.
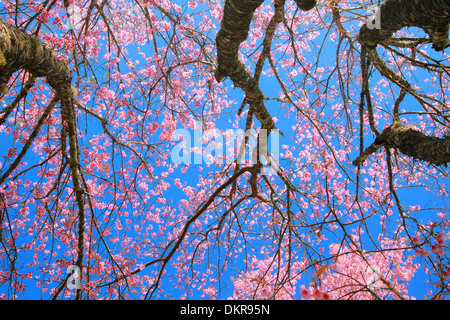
(412, 143)
(433, 16)
(237, 16)
(18, 50)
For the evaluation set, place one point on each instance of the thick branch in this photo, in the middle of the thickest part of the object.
(433, 16)
(234, 29)
(306, 5)
(410, 142)
(237, 16)
(19, 50)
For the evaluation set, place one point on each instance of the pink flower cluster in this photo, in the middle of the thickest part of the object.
(314, 293)
(447, 273)
(435, 248)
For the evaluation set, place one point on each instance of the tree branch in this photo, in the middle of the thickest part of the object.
(433, 16)
(237, 16)
(410, 142)
(19, 50)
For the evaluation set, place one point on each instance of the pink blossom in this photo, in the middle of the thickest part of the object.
(440, 238)
(416, 239)
(304, 292)
(440, 242)
(192, 4)
(437, 249)
(447, 273)
(266, 293)
(317, 294)
(326, 296)
(422, 252)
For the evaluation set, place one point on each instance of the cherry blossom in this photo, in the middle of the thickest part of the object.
(141, 225)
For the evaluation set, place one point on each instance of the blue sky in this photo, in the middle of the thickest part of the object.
(270, 87)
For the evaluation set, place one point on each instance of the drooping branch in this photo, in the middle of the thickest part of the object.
(205, 205)
(237, 16)
(235, 25)
(410, 142)
(433, 16)
(30, 140)
(23, 92)
(20, 51)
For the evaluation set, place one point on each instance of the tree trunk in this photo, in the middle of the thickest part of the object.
(433, 16)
